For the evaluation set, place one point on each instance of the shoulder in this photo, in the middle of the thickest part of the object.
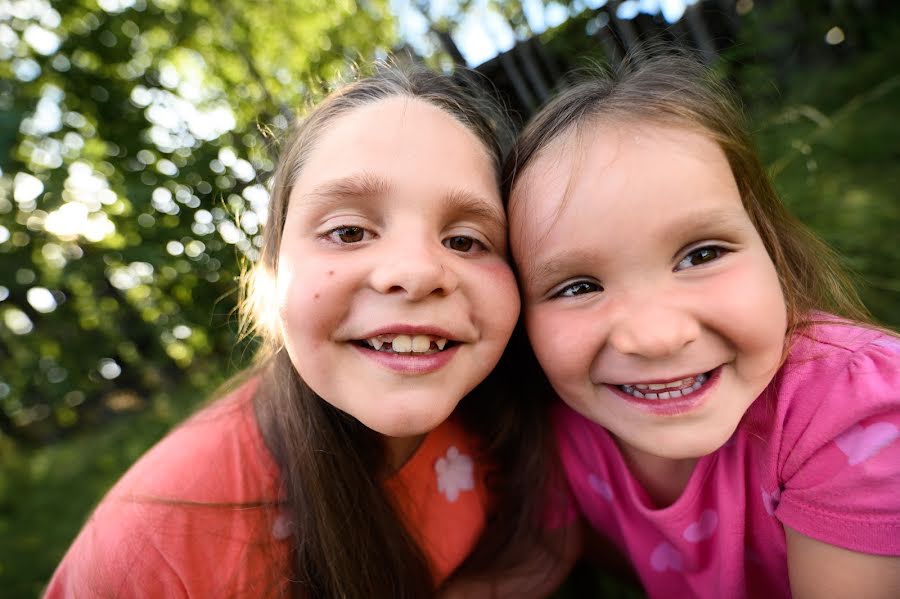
(827, 337)
(833, 361)
(835, 437)
(837, 372)
(836, 377)
(829, 342)
(204, 495)
(217, 455)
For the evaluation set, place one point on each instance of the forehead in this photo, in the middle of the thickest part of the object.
(398, 130)
(399, 153)
(603, 168)
(606, 187)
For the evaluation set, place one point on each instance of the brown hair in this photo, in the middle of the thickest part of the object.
(348, 539)
(672, 88)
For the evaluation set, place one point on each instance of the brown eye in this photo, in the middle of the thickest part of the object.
(460, 243)
(350, 234)
(580, 288)
(700, 256)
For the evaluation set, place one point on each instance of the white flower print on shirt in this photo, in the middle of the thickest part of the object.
(282, 527)
(455, 473)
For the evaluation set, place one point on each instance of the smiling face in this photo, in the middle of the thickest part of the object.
(649, 298)
(394, 293)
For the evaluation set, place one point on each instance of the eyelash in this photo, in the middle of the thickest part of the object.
(475, 245)
(586, 287)
(716, 251)
(336, 233)
(583, 287)
(336, 236)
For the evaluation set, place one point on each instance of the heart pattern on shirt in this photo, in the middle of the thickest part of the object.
(770, 500)
(889, 343)
(600, 487)
(702, 528)
(860, 443)
(666, 557)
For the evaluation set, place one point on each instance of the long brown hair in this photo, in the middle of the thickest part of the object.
(347, 537)
(672, 88)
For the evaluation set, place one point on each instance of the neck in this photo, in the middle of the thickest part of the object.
(400, 449)
(663, 479)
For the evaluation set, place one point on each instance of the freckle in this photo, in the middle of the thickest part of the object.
(330, 272)
(316, 296)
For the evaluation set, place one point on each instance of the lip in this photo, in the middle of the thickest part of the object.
(409, 364)
(671, 407)
(409, 329)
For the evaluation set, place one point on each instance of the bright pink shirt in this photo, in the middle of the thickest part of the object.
(818, 451)
(185, 520)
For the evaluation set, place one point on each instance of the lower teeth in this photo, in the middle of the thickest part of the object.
(673, 394)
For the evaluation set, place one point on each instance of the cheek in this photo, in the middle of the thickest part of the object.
(762, 297)
(754, 311)
(771, 314)
(562, 342)
(306, 297)
(498, 303)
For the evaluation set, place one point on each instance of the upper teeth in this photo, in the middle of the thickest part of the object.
(406, 343)
(669, 385)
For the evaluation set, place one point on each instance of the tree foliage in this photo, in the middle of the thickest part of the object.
(822, 91)
(137, 136)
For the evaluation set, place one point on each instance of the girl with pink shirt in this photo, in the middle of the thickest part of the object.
(730, 418)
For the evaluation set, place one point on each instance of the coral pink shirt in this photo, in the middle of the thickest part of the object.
(184, 521)
(818, 451)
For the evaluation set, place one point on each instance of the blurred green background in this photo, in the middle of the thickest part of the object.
(136, 138)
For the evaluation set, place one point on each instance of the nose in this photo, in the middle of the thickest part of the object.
(652, 330)
(416, 270)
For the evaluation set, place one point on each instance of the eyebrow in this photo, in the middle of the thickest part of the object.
(703, 222)
(467, 204)
(357, 186)
(557, 263)
(459, 202)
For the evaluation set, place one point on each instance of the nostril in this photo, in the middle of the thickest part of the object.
(416, 273)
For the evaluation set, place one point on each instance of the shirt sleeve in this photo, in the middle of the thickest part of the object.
(114, 557)
(137, 547)
(841, 477)
(196, 516)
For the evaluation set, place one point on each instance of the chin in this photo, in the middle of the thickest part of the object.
(682, 452)
(408, 423)
(689, 446)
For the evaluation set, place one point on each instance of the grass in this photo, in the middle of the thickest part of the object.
(47, 493)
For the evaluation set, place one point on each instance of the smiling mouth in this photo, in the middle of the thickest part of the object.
(666, 390)
(406, 344)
